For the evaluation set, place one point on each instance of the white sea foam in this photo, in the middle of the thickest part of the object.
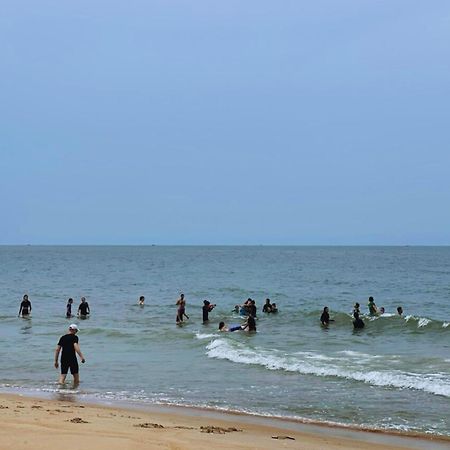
(445, 324)
(199, 335)
(437, 384)
(423, 322)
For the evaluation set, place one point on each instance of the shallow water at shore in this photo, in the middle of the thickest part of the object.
(394, 374)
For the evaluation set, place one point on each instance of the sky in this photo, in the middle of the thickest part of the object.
(225, 122)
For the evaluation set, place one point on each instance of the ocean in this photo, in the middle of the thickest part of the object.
(392, 375)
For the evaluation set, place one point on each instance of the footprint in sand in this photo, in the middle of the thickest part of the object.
(218, 430)
(77, 420)
(148, 425)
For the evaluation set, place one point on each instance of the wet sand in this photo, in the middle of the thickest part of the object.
(36, 423)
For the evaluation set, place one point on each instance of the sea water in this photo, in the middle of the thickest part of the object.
(394, 374)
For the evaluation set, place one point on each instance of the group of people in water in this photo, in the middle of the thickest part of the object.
(68, 344)
(248, 309)
(357, 321)
(83, 308)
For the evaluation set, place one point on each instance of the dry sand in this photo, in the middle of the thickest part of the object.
(33, 423)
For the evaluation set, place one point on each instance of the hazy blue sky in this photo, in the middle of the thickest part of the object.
(209, 122)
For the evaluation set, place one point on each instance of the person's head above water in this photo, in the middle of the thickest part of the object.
(206, 303)
(381, 310)
(400, 310)
(83, 299)
(371, 299)
(70, 300)
(356, 305)
(221, 325)
(267, 301)
(25, 297)
(325, 309)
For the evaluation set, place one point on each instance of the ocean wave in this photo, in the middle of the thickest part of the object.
(438, 384)
(385, 321)
(109, 332)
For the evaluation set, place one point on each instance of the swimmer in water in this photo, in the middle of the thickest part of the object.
(181, 311)
(267, 308)
(25, 307)
(356, 308)
(372, 307)
(249, 325)
(69, 308)
(207, 308)
(358, 322)
(325, 317)
(83, 309)
(381, 311)
(400, 311)
(141, 300)
(274, 308)
(223, 327)
(252, 308)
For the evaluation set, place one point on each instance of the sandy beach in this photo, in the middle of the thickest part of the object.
(53, 424)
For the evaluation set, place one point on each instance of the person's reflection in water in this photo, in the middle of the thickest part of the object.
(65, 397)
(26, 326)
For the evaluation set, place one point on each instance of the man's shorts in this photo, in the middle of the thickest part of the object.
(71, 364)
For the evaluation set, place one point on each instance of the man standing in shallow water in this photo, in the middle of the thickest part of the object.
(69, 345)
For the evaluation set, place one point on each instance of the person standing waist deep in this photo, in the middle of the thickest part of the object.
(25, 307)
(83, 309)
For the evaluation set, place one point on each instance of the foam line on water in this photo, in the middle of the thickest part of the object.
(437, 384)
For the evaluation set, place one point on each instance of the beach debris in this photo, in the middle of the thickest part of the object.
(148, 425)
(36, 407)
(283, 437)
(218, 430)
(77, 420)
(183, 427)
(4, 407)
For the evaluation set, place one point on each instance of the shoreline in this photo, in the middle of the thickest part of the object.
(253, 417)
(257, 431)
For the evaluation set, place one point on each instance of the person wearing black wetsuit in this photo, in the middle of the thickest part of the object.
(358, 322)
(250, 325)
(252, 308)
(267, 308)
(69, 308)
(83, 309)
(70, 347)
(207, 308)
(25, 307)
(325, 317)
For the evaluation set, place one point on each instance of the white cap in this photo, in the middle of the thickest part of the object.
(74, 326)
